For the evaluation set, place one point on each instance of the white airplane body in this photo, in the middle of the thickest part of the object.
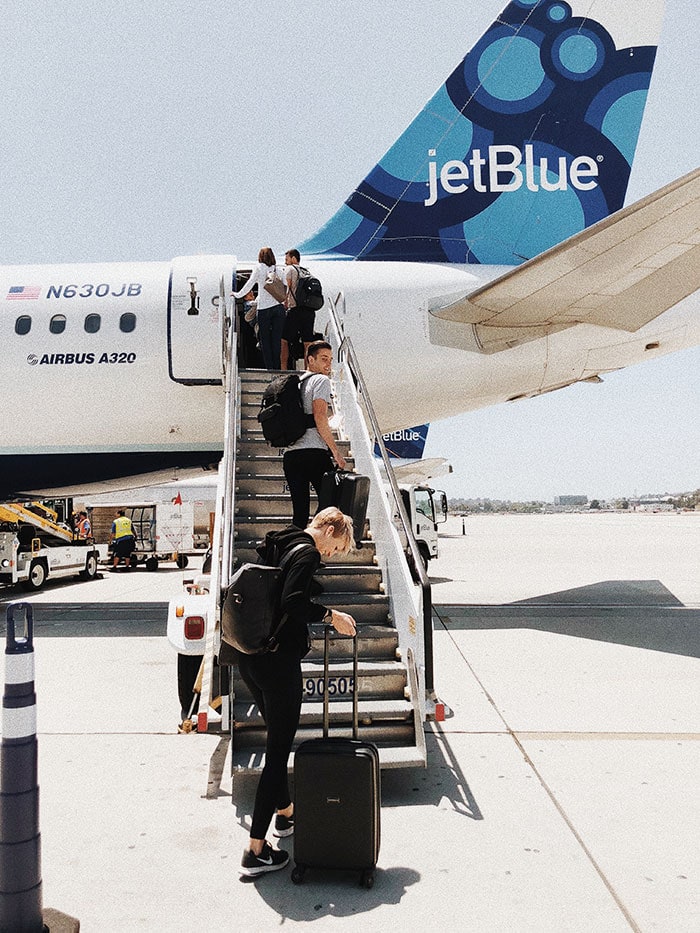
(487, 257)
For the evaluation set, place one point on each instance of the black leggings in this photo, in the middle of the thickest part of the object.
(302, 467)
(275, 682)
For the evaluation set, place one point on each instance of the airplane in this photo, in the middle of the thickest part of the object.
(489, 248)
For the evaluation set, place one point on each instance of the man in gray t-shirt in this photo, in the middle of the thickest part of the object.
(307, 459)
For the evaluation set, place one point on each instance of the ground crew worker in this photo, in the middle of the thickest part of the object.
(123, 539)
(84, 527)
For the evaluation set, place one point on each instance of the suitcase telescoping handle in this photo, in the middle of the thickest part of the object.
(355, 683)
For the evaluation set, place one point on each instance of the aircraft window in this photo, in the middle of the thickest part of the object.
(57, 324)
(92, 323)
(23, 324)
(127, 322)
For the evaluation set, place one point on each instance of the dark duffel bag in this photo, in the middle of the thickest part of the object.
(349, 492)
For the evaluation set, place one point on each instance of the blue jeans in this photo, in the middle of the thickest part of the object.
(270, 324)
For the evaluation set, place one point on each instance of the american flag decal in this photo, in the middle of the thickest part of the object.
(23, 292)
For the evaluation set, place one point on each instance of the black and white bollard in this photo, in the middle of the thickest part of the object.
(20, 840)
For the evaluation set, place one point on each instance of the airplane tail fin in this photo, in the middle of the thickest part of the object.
(406, 444)
(530, 140)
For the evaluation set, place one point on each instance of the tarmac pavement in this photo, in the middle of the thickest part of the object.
(562, 795)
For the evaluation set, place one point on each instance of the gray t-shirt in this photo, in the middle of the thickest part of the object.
(312, 387)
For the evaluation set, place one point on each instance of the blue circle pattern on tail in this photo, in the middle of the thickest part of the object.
(529, 140)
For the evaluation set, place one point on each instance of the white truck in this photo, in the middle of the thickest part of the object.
(35, 548)
(426, 509)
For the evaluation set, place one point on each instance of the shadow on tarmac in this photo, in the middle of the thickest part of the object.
(99, 620)
(443, 780)
(635, 613)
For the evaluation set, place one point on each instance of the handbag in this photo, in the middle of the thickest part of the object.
(275, 286)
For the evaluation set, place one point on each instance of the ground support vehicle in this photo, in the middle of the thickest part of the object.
(426, 508)
(163, 531)
(28, 559)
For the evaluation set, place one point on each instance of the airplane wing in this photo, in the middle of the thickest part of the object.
(420, 471)
(620, 273)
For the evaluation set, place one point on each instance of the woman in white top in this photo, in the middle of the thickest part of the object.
(270, 311)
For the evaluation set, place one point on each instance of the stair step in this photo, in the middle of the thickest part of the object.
(383, 733)
(251, 760)
(255, 445)
(350, 579)
(371, 714)
(266, 467)
(255, 527)
(358, 557)
(374, 641)
(378, 681)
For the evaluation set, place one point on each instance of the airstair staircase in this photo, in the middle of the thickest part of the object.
(373, 582)
(353, 583)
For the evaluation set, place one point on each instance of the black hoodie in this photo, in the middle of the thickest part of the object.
(298, 586)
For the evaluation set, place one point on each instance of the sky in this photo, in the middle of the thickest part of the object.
(137, 131)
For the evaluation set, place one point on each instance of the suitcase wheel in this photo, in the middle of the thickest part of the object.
(367, 879)
(298, 873)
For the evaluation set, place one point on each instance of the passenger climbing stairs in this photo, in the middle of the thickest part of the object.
(391, 690)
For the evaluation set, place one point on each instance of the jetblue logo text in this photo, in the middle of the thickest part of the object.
(94, 291)
(403, 435)
(505, 169)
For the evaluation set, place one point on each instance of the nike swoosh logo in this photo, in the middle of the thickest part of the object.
(265, 861)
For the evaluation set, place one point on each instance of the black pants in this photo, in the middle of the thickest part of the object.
(301, 468)
(275, 682)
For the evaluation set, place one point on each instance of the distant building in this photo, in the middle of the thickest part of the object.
(570, 502)
(651, 504)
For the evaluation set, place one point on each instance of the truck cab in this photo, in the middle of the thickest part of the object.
(426, 509)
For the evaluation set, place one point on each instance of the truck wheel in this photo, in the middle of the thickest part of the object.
(182, 561)
(37, 576)
(151, 564)
(90, 571)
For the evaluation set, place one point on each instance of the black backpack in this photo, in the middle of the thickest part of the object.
(250, 616)
(308, 293)
(282, 416)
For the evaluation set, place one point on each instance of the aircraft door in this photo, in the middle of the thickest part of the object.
(196, 311)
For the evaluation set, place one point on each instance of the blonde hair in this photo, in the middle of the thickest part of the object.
(342, 525)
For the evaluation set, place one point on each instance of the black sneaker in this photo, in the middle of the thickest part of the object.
(284, 826)
(269, 860)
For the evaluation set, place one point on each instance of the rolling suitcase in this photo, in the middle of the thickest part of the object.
(350, 493)
(337, 797)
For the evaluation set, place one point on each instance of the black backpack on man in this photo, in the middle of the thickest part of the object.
(308, 293)
(282, 416)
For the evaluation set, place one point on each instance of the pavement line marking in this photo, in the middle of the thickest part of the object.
(560, 810)
(610, 736)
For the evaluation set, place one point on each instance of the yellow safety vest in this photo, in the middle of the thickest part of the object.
(122, 527)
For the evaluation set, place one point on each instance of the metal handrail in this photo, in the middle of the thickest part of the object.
(230, 444)
(222, 545)
(346, 348)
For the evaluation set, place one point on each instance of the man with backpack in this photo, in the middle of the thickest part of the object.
(312, 455)
(302, 304)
